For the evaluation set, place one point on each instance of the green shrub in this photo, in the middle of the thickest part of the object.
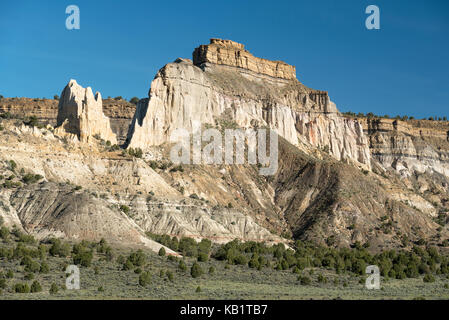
(4, 232)
(182, 265)
(428, 278)
(124, 209)
(83, 258)
(203, 257)
(304, 280)
(21, 288)
(54, 288)
(33, 267)
(144, 278)
(31, 121)
(26, 238)
(240, 259)
(137, 152)
(109, 254)
(188, 247)
(58, 248)
(29, 276)
(161, 252)
(121, 259)
(36, 287)
(138, 270)
(12, 165)
(3, 283)
(31, 178)
(138, 258)
(177, 168)
(196, 270)
(412, 271)
(128, 265)
(322, 279)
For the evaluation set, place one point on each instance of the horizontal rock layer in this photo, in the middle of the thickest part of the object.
(230, 53)
(409, 146)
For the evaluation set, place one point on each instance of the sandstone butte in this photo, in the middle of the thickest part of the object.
(230, 53)
(225, 80)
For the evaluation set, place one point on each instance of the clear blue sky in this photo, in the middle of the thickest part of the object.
(402, 68)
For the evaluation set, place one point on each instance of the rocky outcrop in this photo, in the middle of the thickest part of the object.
(59, 208)
(184, 93)
(81, 113)
(313, 195)
(230, 53)
(408, 147)
(120, 112)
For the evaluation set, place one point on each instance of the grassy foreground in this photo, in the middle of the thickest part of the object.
(36, 270)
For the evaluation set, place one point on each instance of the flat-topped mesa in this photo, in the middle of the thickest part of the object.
(230, 53)
(81, 113)
(225, 81)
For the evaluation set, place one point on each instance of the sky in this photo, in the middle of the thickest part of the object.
(400, 69)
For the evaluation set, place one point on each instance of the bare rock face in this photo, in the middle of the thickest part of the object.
(81, 113)
(119, 112)
(230, 53)
(408, 147)
(252, 93)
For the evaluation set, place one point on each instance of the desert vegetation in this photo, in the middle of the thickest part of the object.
(34, 269)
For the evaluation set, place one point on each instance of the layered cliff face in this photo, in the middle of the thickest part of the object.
(409, 147)
(80, 113)
(120, 112)
(224, 80)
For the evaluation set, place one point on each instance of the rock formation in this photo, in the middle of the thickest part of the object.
(120, 112)
(312, 196)
(233, 54)
(225, 79)
(80, 113)
(415, 146)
